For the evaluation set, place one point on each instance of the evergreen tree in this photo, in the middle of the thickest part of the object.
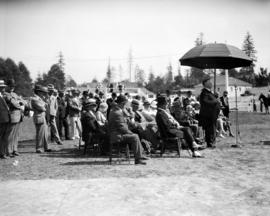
(169, 76)
(24, 84)
(70, 82)
(55, 76)
(109, 72)
(4, 71)
(139, 75)
(247, 73)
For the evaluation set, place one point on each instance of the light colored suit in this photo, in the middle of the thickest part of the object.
(52, 109)
(16, 107)
(74, 113)
(39, 107)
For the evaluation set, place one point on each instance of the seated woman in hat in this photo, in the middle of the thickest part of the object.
(91, 126)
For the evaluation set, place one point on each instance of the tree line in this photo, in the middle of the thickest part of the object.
(24, 83)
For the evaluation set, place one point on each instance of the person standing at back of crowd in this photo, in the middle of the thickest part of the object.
(63, 115)
(74, 114)
(225, 104)
(111, 103)
(209, 111)
(16, 108)
(4, 121)
(52, 110)
(39, 106)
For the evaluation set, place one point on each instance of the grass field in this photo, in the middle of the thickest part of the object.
(227, 181)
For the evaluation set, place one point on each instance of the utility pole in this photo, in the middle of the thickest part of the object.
(130, 61)
(61, 62)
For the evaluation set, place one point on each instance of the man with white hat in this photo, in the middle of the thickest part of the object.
(4, 120)
(53, 108)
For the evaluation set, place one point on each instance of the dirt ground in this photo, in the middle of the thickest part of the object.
(228, 181)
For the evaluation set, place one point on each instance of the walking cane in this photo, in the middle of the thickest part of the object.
(237, 131)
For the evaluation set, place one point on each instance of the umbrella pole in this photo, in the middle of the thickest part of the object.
(215, 82)
(236, 145)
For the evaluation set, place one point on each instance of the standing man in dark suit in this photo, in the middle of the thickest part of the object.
(209, 111)
(4, 121)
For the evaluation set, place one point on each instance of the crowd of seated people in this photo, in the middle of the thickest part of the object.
(121, 118)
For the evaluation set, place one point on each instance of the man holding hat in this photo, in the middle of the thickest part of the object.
(39, 106)
(209, 111)
(16, 107)
(88, 120)
(52, 110)
(173, 128)
(119, 131)
(4, 121)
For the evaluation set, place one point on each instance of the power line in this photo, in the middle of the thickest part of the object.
(104, 59)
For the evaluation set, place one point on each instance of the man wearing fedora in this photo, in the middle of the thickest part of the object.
(88, 120)
(209, 111)
(146, 129)
(119, 131)
(173, 128)
(16, 108)
(53, 109)
(39, 106)
(4, 121)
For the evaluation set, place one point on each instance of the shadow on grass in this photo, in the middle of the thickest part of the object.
(114, 163)
(68, 153)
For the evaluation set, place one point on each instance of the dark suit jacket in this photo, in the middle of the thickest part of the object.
(167, 128)
(89, 125)
(210, 108)
(118, 125)
(4, 111)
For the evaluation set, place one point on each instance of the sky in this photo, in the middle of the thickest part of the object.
(90, 32)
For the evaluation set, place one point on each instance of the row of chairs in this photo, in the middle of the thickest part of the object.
(117, 149)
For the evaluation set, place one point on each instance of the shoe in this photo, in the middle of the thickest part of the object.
(3, 157)
(38, 151)
(221, 136)
(59, 143)
(198, 147)
(144, 158)
(196, 154)
(16, 154)
(11, 155)
(231, 135)
(48, 150)
(139, 162)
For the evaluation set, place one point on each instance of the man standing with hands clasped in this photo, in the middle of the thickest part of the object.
(209, 111)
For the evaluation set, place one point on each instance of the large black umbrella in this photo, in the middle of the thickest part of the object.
(216, 56)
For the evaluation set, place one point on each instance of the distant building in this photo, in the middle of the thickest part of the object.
(128, 87)
(232, 86)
